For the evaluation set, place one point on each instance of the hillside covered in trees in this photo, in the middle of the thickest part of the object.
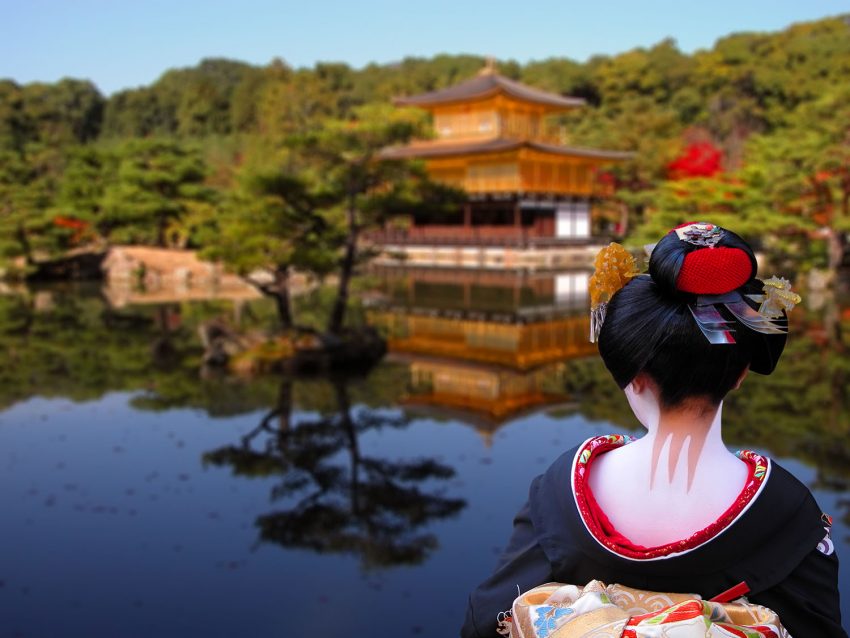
(753, 133)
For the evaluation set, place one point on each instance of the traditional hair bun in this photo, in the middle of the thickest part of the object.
(701, 259)
(650, 325)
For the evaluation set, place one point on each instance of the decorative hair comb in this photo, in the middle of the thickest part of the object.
(700, 233)
(777, 298)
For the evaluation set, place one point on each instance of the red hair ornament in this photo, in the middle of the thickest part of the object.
(715, 273)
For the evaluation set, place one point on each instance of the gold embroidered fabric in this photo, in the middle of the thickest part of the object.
(555, 610)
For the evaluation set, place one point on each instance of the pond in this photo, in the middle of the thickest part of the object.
(146, 496)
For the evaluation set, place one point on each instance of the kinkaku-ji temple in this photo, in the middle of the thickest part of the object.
(487, 304)
(529, 195)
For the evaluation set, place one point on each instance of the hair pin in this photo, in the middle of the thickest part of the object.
(712, 324)
(777, 297)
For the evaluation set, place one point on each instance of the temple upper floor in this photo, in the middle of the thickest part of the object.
(469, 123)
(493, 106)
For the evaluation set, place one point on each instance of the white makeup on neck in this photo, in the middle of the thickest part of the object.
(677, 444)
(675, 480)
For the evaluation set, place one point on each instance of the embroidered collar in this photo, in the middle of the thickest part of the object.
(600, 527)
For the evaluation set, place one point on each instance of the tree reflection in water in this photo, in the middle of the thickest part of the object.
(341, 500)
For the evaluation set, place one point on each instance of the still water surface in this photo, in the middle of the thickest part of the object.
(142, 497)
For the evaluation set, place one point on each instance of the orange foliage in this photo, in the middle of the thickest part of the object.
(77, 225)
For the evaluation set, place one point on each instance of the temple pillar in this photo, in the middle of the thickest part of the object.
(518, 221)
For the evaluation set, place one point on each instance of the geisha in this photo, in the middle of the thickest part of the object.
(674, 510)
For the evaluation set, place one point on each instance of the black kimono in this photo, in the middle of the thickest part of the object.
(777, 546)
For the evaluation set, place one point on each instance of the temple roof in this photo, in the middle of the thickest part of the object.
(441, 148)
(485, 421)
(484, 85)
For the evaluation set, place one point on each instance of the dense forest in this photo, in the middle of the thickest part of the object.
(227, 156)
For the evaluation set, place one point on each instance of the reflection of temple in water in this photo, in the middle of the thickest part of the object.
(485, 397)
(484, 346)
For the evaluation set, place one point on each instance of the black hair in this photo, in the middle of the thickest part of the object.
(649, 328)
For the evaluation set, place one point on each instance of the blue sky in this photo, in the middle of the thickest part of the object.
(119, 43)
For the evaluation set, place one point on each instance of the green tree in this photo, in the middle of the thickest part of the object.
(28, 183)
(15, 126)
(270, 226)
(724, 199)
(159, 186)
(205, 95)
(293, 101)
(804, 170)
(360, 188)
(69, 111)
(89, 170)
(138, 113)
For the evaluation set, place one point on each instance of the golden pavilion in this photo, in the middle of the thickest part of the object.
(527, 190)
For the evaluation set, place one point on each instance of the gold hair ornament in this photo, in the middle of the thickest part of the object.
(777, 297)
(615, 267)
